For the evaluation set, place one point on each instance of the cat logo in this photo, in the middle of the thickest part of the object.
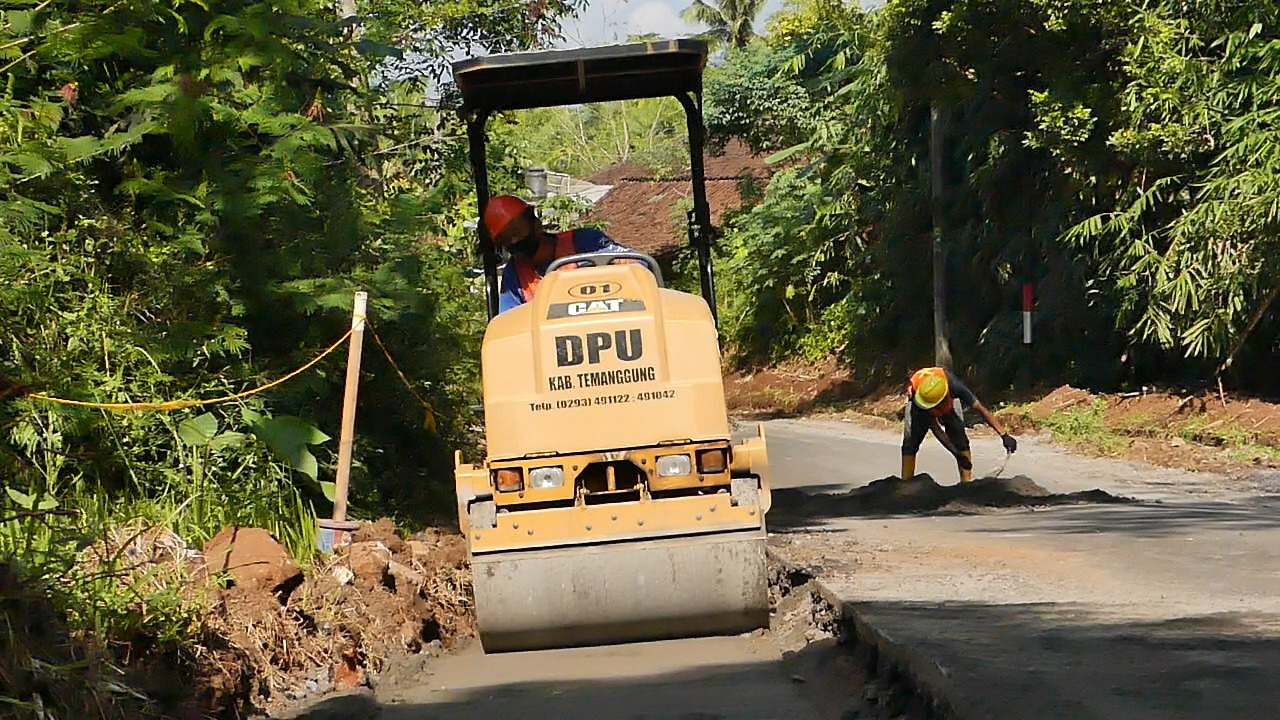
(593, 307)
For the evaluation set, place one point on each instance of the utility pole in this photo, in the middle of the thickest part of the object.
(937, 133)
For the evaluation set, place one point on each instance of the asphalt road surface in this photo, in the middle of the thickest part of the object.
(1197, 546)
(1167, 607)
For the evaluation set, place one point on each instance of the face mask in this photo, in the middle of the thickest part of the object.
(526, 248)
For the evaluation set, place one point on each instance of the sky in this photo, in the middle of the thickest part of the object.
(608, 21)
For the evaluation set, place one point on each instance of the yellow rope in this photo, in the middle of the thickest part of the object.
(181, 404)
(429, 420)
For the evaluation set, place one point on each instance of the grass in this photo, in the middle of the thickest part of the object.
(91, 582)
(1229, 435)
(1085, 428)
(1253, 453)
(78, 605)
(777, 398)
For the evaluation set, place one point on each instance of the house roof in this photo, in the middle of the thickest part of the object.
(640, 211)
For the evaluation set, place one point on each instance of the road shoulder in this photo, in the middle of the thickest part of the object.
(1165, 607)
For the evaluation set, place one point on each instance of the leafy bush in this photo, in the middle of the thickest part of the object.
(1117, 161)
(189, 195)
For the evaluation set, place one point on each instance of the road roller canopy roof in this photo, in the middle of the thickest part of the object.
(548, 78)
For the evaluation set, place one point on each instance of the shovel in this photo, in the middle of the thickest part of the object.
(1000, 469)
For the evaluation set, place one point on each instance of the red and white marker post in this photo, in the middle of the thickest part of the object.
(1026, 314)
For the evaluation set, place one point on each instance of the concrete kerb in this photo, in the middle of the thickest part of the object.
(889, 664)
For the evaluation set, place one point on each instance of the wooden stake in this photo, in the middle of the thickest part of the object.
(347, 436)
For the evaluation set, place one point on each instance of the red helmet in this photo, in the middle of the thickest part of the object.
(501, 210)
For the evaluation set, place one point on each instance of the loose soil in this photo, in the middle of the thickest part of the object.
(1200, 431)
(269, 634)
(923, 495)
(372, 602)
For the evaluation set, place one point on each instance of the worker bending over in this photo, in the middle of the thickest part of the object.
(514, 226)
(935, 397)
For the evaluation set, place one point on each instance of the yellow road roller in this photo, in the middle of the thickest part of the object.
(613, 505)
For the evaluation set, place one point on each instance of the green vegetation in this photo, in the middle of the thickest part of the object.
(1085, 428)
(1118, 155)
(191, 191)
(1091, 428)
(582, 140)
(189, 194)
(729, 22)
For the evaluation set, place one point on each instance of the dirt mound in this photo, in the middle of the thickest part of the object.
(381, 598)
(922, 494)
(383, 531)
(252, 558)
(270, 633)
(1062, 398)
(1195, 431)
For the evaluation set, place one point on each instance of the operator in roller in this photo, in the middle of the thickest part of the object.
(513, 225)
(935, 402)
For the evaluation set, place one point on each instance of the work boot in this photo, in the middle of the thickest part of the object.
(908, 467)
(966, 475)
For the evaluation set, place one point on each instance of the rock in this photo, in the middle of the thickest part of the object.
(369, 559)
(342, 574)
(407, 579)
(383, 531)
(348, 676)
(252, 558)
(419, 550)
(411, 635)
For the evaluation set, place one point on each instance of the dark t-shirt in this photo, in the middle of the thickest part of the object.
(960, 391)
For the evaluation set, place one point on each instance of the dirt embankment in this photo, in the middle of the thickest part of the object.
(381, 597)
(789, 389)
(1190, 431)
(260, 633)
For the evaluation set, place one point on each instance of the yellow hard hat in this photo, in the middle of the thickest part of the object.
(931, 388)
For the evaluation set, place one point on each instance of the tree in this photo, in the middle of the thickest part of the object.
(729, 22)
(582, 140)
(189, 194)
(1123, 162)
(753, 99)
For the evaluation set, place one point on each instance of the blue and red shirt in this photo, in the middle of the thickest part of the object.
(516, 291)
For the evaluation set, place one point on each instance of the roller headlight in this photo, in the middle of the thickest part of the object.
(547, 477)
(674, 465)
